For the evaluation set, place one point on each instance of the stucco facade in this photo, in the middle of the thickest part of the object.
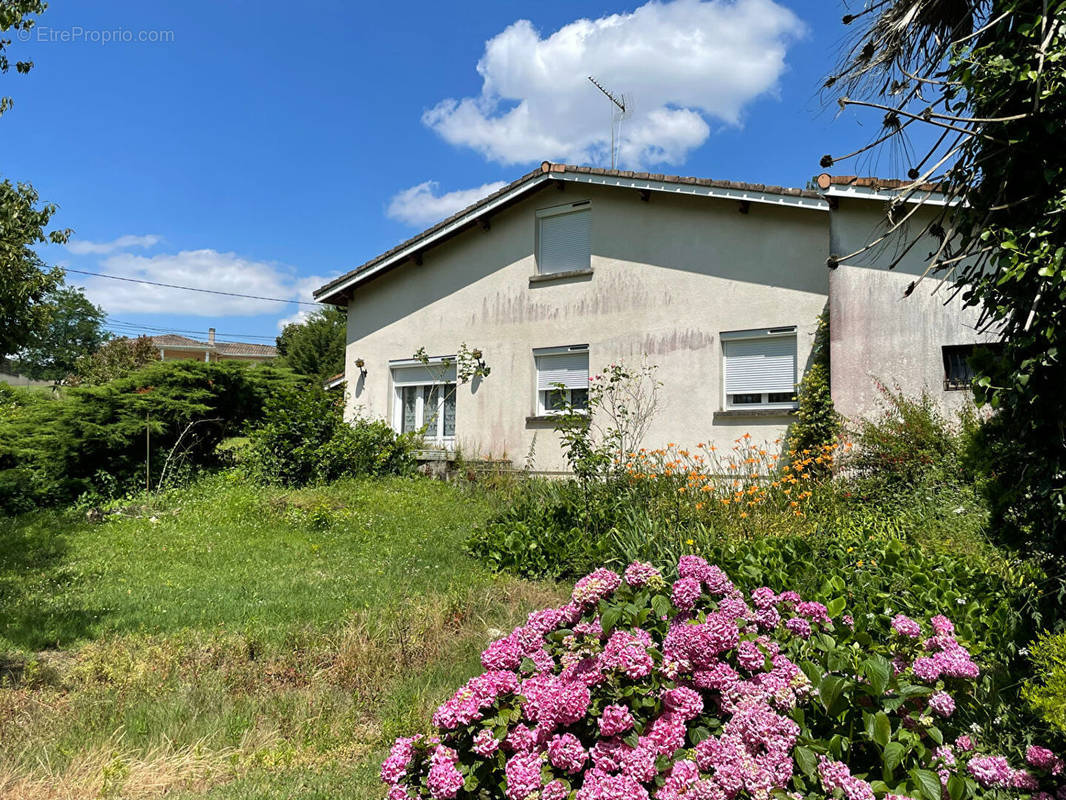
(673, 266)
(668, 276)
(879, 335)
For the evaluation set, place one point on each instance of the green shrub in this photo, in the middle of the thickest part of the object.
(909, 443)
(1046, 690)
(818, 423)
(128, 433)
(303, 439)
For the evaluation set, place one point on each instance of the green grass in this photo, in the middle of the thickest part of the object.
(232, 641)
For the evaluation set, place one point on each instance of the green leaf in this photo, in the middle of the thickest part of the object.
(894, 754)
(878, 671)
(610, 618)
(927, 782)
(956, 787)
(661, 605)
(882, 728)
(806, 760)
(829, 690)
(836, 606)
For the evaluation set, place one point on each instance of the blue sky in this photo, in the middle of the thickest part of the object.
(262, 146)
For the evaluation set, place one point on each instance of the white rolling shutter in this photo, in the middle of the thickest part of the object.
(569, 369)
(760, 365)
(423, 373)
(565, 242)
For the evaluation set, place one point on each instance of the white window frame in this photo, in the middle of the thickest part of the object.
(436, 363)
(784, 331)
(578, 207)
(542, 394)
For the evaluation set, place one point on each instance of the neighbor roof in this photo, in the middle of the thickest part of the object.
(174, 341)
(479, 212)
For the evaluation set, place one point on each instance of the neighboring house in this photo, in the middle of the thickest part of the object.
(173, 348)
(570, 269)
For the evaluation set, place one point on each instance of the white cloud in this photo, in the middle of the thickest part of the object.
(421, 205)
(85, 247)
(294, 319)
(681, 66)
(202, 269)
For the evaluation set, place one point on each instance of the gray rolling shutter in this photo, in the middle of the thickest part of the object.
(569, 369)
(565, 242)
(760, 365)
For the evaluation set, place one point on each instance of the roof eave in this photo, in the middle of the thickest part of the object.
(924, 197)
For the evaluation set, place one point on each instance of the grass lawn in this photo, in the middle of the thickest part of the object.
(228, 641)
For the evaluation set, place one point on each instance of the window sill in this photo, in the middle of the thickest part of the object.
(748, 413)
(553, 277)
(534, 419)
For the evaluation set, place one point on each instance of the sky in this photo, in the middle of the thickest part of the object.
(263, 147)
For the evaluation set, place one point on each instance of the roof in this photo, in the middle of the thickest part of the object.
(479, 212)
(174, 341)
(826, 181)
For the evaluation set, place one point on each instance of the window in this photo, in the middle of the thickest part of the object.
(564, 238)
(759, 368)
(425, 398)
(958, 370)
(562, 378)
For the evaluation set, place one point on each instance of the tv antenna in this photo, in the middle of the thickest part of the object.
(618, 113)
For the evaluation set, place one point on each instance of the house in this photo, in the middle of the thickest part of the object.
(173, 348)
(570, 269)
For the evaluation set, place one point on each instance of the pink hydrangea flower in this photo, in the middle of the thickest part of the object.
(615, 719)
(905, 626)
(444, 779)
(799, 626)
(639, 573)
(522, 771)
(990, 770)
(566, 752)
(685, 593)
(1042, 758)
(964, 743)
(595, 586)
(942, 625)
(485, 744)
(394, 767)
(836, 775)
(942, 704)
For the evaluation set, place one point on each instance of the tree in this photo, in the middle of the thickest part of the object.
(25, 282)
(16, 15)
(75, 329)
(315, 347)
(114, 359)
(990, 77)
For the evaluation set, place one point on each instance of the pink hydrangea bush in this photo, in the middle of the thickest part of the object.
(641, 688)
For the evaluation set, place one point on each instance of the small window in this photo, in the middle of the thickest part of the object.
(425, 399)
(958, 366)
(759, 368)
(562, 378)
(564, 241)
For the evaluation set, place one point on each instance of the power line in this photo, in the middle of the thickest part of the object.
(118, 323)
(190, 288)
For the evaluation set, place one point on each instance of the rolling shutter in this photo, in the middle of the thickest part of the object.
(565, 242)
(760, 365)
(569, 369)
(423, 373)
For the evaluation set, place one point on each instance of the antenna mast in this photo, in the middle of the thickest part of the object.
(616, 115)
